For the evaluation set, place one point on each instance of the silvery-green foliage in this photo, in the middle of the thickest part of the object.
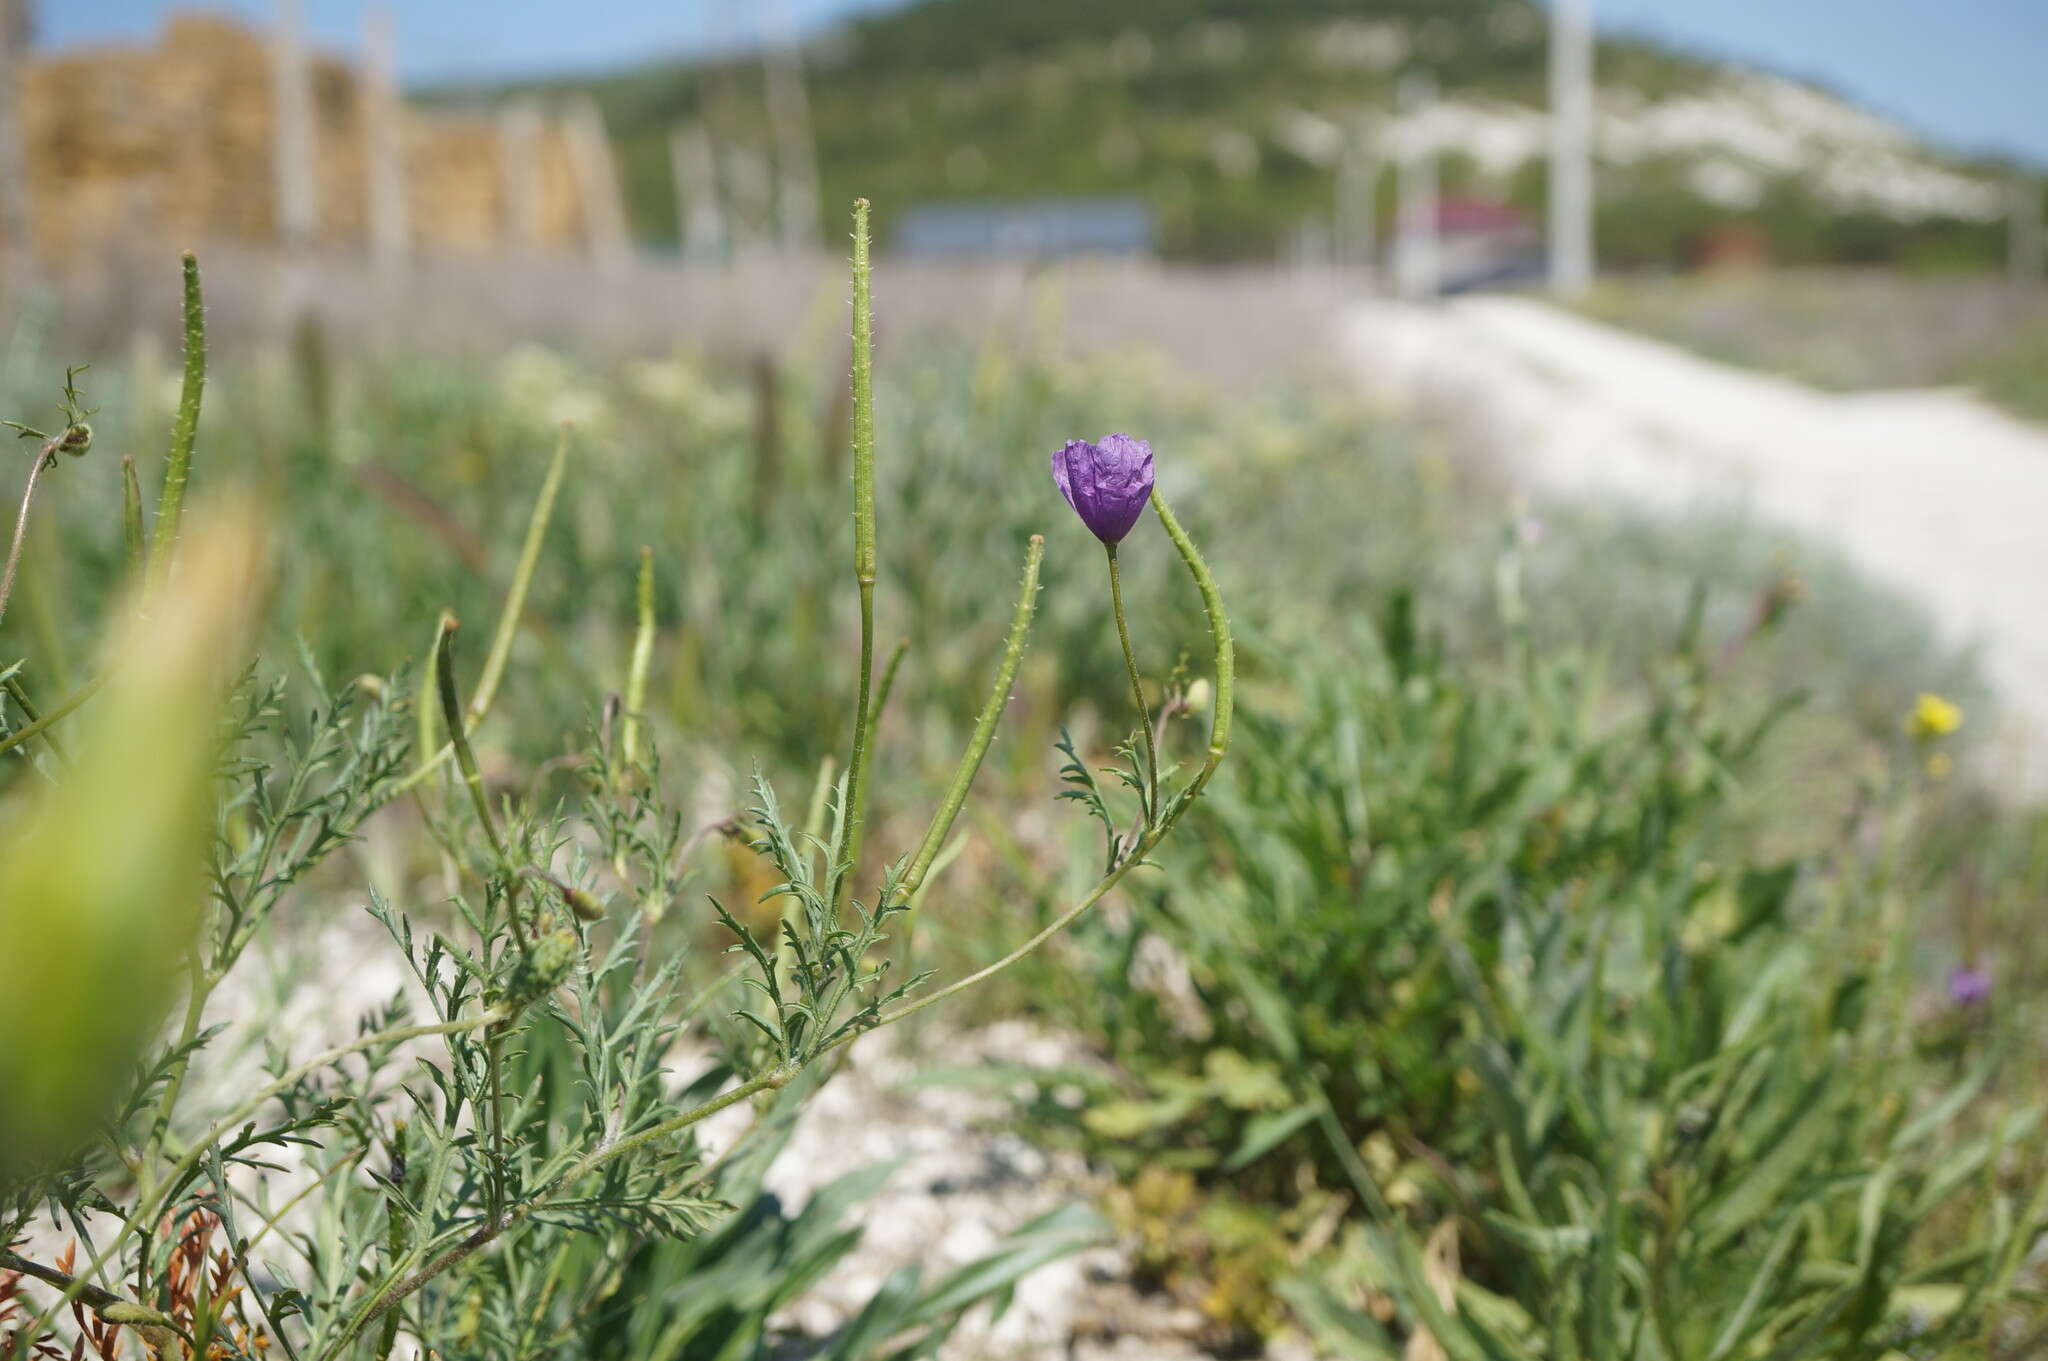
(478, 1175)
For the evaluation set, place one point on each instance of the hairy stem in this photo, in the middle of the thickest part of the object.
(170, 506)
(1123, 635)
(643, 659)
(984, 726)
(74, 1287)
(32, 714)
(1220, 640)
(45, 457)
(134, 541)
(884, 689)
(472, 773)
(522, 581)
(501, 642)
(56, 715)
(864, 557)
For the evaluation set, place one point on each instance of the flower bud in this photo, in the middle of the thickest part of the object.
(1932, 717)
(543, 968)
(584, 905)
(1107, 484)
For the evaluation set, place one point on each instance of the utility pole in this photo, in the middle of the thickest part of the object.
(17, 227)
(1416, 265)
(789, 122)
(292, 129)
(1571, 146)
(384, 143)
(2023, 236)
(749, 185)
(1355, 195)
(700, 215)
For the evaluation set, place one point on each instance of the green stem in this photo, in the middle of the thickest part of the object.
(56, 715)
(493, 1044)
(1220, 639)
(132, 535)
(198, 988)
(1123, 634)
(29, 712)
(522, 580)
(883, 690)
(643, 659)
(984, 726)
(864, 556)
(77, 1287)
(45, 457)
(184, 428)
(501, 642)
(472, 773)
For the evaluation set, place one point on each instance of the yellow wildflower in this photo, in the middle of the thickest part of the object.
(1932, 717)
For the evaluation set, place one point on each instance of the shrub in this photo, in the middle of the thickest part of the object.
(1467, 991)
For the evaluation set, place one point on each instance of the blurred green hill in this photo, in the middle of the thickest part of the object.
(1230, 117)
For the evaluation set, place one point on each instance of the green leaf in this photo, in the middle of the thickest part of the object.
(1265, 1132)
(1058, 1233)
(1244, 1084)
(1129, 1119)
(1788, 1156)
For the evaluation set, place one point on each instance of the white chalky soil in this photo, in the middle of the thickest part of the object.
(1933, 493)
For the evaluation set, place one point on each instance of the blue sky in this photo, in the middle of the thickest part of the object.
(1965, 72)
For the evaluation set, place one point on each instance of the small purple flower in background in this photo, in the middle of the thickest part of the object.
(1969, 986)
(1107, 484)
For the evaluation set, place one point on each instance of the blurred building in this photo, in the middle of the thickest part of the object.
(174, 145)
(1037, 229)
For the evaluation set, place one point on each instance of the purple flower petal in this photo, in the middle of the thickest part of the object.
(1107, 484)
(1969, 987)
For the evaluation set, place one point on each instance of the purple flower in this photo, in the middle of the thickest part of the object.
(1106, 484)
(1969, 987)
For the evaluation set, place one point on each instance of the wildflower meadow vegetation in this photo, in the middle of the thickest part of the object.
(446, 844)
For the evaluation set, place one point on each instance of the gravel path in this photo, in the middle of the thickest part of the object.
(1931, 492)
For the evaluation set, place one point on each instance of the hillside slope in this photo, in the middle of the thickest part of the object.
(1230, 116)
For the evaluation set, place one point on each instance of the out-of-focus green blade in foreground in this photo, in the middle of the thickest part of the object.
(101, 875)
